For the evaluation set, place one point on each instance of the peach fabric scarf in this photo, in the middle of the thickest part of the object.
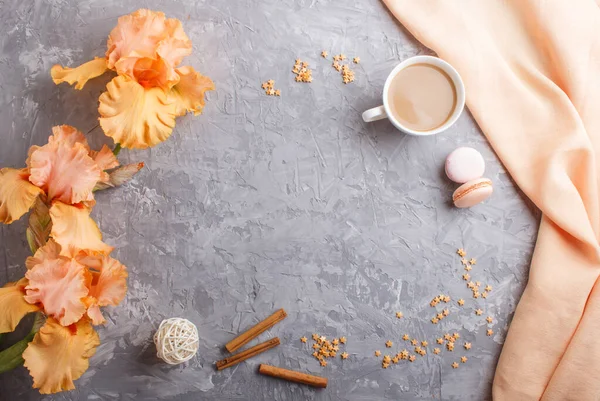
(532, 74)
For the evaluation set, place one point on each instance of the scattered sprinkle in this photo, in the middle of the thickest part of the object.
(436, 351)
(440, 340)
(489, 332)
(461, 252)
(489, 319)
(476, 294)
(324, 54)
(414, 341)
(323, 362)
(303, 73)
(473, 261)
(484, 294)
(461, 302)
(335, 341)
(424, 343)
(464, 261)
(466, 276)
(450, 346)
(467, 345)
(478, 312)
(344, 355)
(456, 335)
(412, 358)
(446, 312)
(387, 359)
(315, 337)
(447, 336)
(356, 60)
(396, 359)
(343, 340)
(406, 337)
(399, 315)
(385, 365)
(464, 359)
(303, 339)
(377, 353)
(389, 343)
(468, 268)
(454, 365)
(315, 346)
(488, 288)
(446, 298)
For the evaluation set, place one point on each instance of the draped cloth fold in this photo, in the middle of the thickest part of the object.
(532, 74)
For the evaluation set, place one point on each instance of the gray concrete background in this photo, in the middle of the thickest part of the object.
(266, 202)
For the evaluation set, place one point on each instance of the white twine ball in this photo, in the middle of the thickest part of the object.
(176, 340)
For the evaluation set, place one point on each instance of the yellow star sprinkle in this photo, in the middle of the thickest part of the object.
(450, 346)
(456, 335)
(436, 351)
(335, 341)
(322, 338)
(342, 56)
(478, 312)
(315, 354)
(424, 343)
(488, 288)
(344, 355)
(464, 359)
(484, 294)
(440, 340)
(315, 346)
(489, 333)
(323, 363)
(377, 353)
(414, 341)
(446, 298)
(478, 283)
(440, 316)
(343, 340)
(406, 337)
(387, 359)
(464, 261)
(470, 284)
(473, 261)
(466, 276)
(315, 337)
(385, 365)
(460, 302)
(396, 359)
(447, 337)
(476, 294)
(399, 315)
(277, 92)
(461, 252)
(435, 320)
(389, 343)
(303, 339)
(467, 345)
(445, 312)
(324, 54)
(356, 60)
(412, 358)
(468, 268)
(454, 365)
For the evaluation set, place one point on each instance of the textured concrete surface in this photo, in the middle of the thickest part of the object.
(266, 202)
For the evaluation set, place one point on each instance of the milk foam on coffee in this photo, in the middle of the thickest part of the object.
(422, 97)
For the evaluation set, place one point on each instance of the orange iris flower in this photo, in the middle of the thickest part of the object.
(72, 275)
(139, 108)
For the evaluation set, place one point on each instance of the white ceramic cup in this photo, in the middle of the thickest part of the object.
(381, 112)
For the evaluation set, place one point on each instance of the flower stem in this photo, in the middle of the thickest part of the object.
(117, 149)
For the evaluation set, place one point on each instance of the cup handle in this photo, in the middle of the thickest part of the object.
(374, 114)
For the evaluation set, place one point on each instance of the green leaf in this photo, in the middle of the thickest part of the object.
(12, 357)
(120, 176)
(40, 225)
(117, 149)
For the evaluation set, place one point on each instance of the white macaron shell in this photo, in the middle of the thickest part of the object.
(464, 164)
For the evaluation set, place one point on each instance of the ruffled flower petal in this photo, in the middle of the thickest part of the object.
(95, 315)
(73, 229)
(58, 355)
(104, 158)
(146, 40)
(136, 117)
(68, 135)
(17, 194)
(13, 305)
(64, 170)
(59, 285)
(189, 92)
(110, 285)
(49, 251)
(79, 75)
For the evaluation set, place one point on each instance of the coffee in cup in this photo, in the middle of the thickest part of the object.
(423, 95)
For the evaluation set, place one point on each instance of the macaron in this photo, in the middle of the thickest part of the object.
(472, 192)
(464, 164)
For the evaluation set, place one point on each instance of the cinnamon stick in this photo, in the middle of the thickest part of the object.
(292, 375)
(253, 332)
(249, 353)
